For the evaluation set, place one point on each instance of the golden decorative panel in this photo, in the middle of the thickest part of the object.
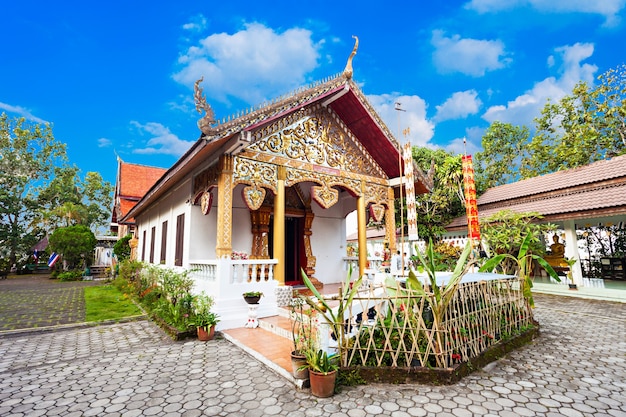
(315, 135)
(295, 176)
(375, 194)
(325, 196)
(255, 172)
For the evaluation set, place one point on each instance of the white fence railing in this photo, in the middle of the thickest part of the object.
(227, 279)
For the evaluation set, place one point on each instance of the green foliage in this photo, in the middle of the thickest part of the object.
(334, 319)
(201, 306)
(28, 153)
(319, 361)
(585, 126)
(441, 296)
(121, 249)
(523, 266)
(446, 200)
(73, 275)
(504, 145)
(75, 243)
(505, 231)
(68, 200)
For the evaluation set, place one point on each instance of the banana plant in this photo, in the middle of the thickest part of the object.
(524, 262)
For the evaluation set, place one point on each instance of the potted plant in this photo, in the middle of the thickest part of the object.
(203, 318)
(322, 372)
(252, 297)
(302, 336)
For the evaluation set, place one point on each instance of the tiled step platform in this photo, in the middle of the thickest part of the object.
(271, 342)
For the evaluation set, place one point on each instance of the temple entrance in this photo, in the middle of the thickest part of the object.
(295, 255)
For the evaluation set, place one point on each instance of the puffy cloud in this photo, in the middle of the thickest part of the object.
(251, 65)
(522, 109)
(468, 56)
(162, 141)
(21, 112)
(608, 8)
(461, 104)
(413, 117)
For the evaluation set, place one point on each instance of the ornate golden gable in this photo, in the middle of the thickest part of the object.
(317, 136)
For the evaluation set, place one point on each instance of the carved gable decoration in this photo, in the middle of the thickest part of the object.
(377, 212)
(316, 136)
(324, 195)
(253, 196)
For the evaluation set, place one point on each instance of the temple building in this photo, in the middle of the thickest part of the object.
(264, 195)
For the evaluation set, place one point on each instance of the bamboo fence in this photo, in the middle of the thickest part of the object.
(396, 327)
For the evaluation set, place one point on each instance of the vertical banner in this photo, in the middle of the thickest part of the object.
(409, 183)
(471, 208)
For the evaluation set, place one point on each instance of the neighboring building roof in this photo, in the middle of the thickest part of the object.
(132, 183)
(594, 190)
(338, 93)
(135, 180)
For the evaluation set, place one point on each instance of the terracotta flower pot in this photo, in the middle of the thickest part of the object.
(322, 385)
(204, 335)
(297, 361)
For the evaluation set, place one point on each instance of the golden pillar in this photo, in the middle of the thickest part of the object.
(362, 230)
(279, 227)
(224, 207)
(390, 222)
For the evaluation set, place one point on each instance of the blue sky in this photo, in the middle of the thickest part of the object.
(116, 77)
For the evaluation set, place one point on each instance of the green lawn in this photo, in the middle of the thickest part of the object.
(106, 302)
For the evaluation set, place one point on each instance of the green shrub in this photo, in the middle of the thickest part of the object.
(74, 275)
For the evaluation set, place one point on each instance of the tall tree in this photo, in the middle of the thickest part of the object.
(68, 200)
(28, 154)
(445, 202)
(586, 126)
(503, 149)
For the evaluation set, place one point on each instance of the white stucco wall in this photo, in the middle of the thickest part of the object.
(203, 233)
(242, 225)
(328, 243)
(167, 208)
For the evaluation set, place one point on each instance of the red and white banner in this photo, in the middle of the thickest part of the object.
(409, 184)
(471, 207)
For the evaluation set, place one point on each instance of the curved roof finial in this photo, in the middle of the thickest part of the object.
(347, 72)
(204, 124)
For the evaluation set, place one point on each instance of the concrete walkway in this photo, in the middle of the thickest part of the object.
(577, 367)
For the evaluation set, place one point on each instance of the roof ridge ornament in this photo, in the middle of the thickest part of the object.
(205, 122)
(347, 72)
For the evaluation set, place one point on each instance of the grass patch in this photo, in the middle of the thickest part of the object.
(106, 302)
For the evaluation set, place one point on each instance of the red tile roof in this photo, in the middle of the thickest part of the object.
(133, 182)
(598, 189)
(136, 180)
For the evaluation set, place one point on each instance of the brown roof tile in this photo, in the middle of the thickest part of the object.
(598, 188)
(598, 171)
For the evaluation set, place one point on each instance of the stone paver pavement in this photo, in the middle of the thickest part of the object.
(577, 367)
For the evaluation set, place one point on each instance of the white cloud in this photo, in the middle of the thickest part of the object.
(104, 143)
(252, 64)
(468, 56)
(461, 104)
(413, 117)
(197, 24)
(162, 141)
(524, 108)
(609, 9)
(22, 112)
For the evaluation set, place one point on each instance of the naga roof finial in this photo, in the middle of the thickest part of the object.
(204, 124)
(347, 72)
